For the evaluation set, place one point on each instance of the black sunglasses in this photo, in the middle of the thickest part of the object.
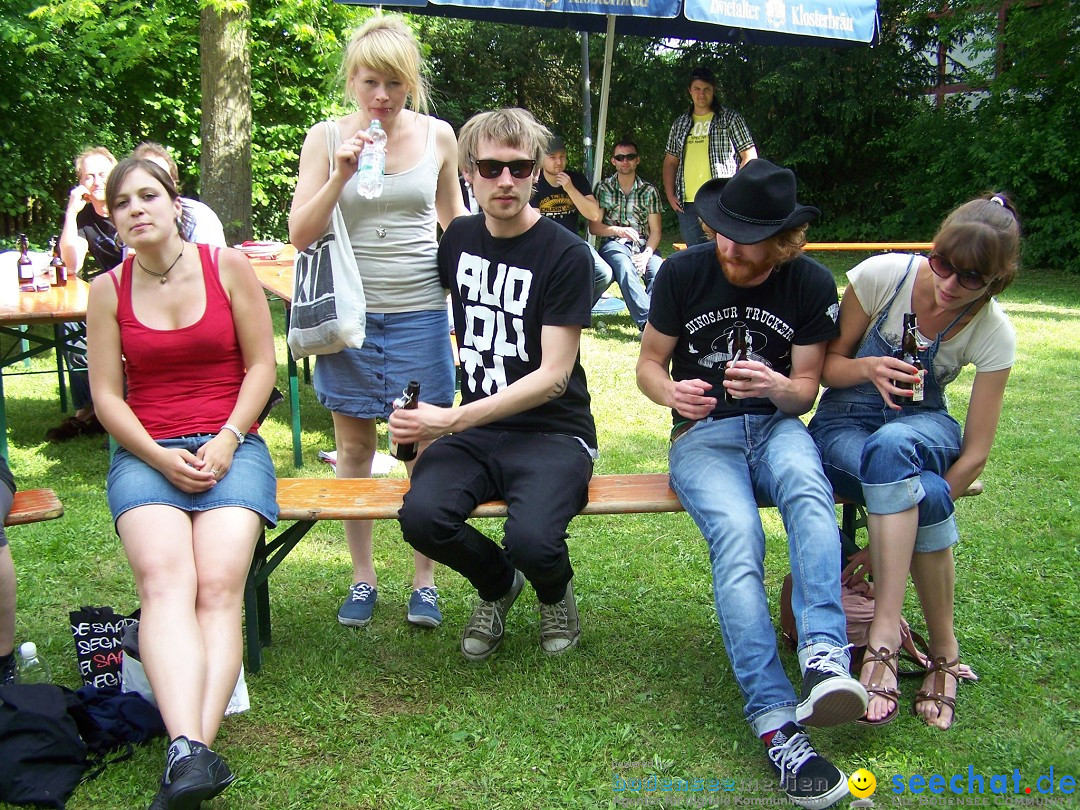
(490, 169)
(969, 279)
(621, 158)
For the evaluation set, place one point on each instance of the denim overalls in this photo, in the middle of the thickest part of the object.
(893, 460)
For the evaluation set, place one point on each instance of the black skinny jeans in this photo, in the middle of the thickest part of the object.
(544, 479)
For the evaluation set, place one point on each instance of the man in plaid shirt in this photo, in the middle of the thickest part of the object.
(706, 141)
(630, 228)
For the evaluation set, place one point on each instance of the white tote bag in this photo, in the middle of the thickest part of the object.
(328, 310)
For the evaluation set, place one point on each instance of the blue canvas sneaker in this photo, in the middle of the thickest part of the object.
(357, 608)
(424, 608)
(808, 779)
(830, 696)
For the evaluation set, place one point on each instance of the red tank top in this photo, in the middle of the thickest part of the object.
(182, 381)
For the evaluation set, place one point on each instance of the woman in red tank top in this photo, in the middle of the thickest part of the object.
(191, 485)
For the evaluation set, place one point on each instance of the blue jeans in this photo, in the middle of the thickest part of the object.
(78, 376)
(690, 225)
(635, 296)
(892, 461)
(601, 275)
(721, 470)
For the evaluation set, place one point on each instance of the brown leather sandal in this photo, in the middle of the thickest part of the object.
(939, 668)
(883, 660)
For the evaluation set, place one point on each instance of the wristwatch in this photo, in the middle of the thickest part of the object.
(234, 430)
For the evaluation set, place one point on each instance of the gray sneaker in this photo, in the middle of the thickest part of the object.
(559, 625)
(484, 631)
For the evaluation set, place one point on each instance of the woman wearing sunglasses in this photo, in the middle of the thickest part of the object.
(906, 462)
(393, 238)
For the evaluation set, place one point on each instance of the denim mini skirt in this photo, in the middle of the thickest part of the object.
(250, 481)
(398, 347)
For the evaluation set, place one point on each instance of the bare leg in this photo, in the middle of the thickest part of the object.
(7, 601)
(892, 541)
(934, 575)
(224, 539)
(158, 543)
(355, 439)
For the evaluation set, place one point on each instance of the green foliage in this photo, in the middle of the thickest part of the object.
(870, 149)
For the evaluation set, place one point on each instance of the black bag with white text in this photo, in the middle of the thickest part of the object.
(98, 634)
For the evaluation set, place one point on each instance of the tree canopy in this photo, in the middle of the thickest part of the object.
(870, 146)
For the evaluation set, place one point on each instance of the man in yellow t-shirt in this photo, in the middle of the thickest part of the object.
(706, 141)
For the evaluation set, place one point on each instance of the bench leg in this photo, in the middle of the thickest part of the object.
(253, 603)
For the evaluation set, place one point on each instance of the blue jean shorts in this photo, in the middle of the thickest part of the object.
(250, 481)
(398, 347)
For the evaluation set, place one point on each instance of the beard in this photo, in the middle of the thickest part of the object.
(746, 274)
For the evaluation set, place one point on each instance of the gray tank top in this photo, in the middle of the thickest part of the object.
(399, 270)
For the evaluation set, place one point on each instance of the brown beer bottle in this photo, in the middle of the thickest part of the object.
(409, 399)
(59, 268)
(910, 355)
(26, 264)
(739, 351)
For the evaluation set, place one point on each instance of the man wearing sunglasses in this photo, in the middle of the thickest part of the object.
(520, 288)
(630, 229)
(565, 196)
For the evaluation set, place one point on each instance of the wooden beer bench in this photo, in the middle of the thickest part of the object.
(34, 506)
(306, 501)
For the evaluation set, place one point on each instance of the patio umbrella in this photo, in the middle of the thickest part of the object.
(762, 22)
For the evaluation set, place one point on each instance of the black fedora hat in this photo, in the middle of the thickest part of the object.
(754, 205)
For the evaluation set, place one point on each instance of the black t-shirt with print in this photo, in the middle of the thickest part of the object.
(554, 203)
(504, 291)
(100, 235)
(693, 301)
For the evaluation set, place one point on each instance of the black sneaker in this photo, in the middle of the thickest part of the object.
(808, 778)
(830, 695)
(193, 773)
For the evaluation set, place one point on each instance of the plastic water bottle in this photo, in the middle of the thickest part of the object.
(32, 668)
(369, 174)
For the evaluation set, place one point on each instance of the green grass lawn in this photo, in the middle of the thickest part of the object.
(392, 717)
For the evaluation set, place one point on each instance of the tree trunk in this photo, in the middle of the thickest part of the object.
(225, 162)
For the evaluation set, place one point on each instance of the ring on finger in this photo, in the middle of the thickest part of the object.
(213, 471)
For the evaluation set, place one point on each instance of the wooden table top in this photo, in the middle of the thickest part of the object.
(54, 305)
(276, 275)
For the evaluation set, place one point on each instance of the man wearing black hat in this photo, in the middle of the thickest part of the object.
(737, 441)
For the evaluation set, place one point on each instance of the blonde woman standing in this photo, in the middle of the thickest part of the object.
(394, 239)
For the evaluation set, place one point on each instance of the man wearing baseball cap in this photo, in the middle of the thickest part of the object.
(737, 441)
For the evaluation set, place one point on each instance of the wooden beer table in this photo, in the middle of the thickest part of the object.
(55, 307)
